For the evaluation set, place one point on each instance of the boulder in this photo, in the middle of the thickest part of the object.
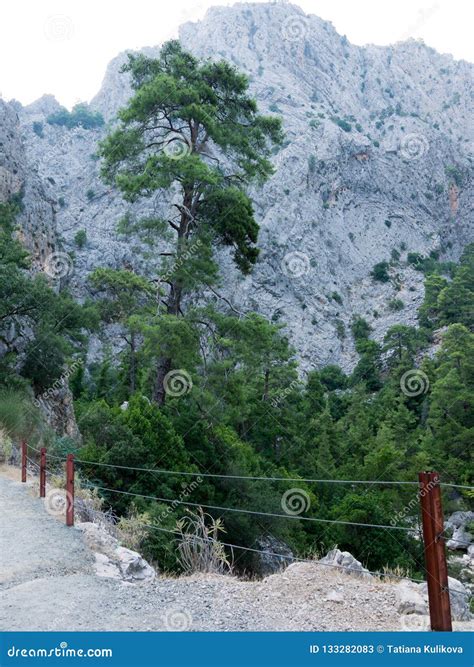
(104, 567)
(409, 599)
(98, 539)
(413, 599)
(459, 597)
(132, 566)
(277, 557)
(113, 560)
(458, 519)
(460, 539)
(346, 561)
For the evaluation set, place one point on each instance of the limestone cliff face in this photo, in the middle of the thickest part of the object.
(19, 179)
(377, 162)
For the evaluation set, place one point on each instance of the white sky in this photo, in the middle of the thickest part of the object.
(63, 46)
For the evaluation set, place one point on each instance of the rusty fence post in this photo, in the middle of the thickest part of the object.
(435, 554)
(42, 488)
(23, 460)
(70, 490)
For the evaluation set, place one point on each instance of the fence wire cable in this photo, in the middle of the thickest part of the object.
(264, 479)
(284, 516)
(382, 575)
(252, 478)
(244, 511)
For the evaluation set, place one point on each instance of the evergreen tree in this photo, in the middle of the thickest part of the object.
(191, 129)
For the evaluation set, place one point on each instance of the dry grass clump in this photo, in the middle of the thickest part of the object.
(6, 446)
(132, 529)
(199, 548)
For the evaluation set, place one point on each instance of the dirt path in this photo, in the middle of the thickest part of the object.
(47, 582)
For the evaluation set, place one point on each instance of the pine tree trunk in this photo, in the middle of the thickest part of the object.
(173, 304)
(159, 391)
(133, 363)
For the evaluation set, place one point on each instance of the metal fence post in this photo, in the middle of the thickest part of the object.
(435, 555)
(23, 461)
(42, 485)
(70, 490)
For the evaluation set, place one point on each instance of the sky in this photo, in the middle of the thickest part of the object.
(62, 47)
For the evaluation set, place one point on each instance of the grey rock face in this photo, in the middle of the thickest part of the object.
(376, 162)
(413, 599)
(113, 560)
(18, 177)
(459, 597)
(461, 537)
(347, 562)
(58, 410)
(270, 563)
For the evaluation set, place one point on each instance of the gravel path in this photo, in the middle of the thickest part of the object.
(47, 582)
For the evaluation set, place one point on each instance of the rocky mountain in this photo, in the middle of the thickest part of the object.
(376, 164)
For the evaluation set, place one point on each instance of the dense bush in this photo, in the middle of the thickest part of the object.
(80, 116)
(380, 272)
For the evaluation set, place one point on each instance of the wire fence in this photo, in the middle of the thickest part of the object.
(254, 512)
(262, 552)
(163, 471)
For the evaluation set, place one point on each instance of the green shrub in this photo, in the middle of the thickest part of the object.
(336, 297)
(90, 194)
(396, 304)
(340, 329)
(19, 418)
(80, 238)
(454, 174)
(380, 272)
(80, 116)
(38, 129)
(343, 124)
(360, 328)
(416, 260)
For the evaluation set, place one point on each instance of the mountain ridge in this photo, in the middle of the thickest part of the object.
(377, 162)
